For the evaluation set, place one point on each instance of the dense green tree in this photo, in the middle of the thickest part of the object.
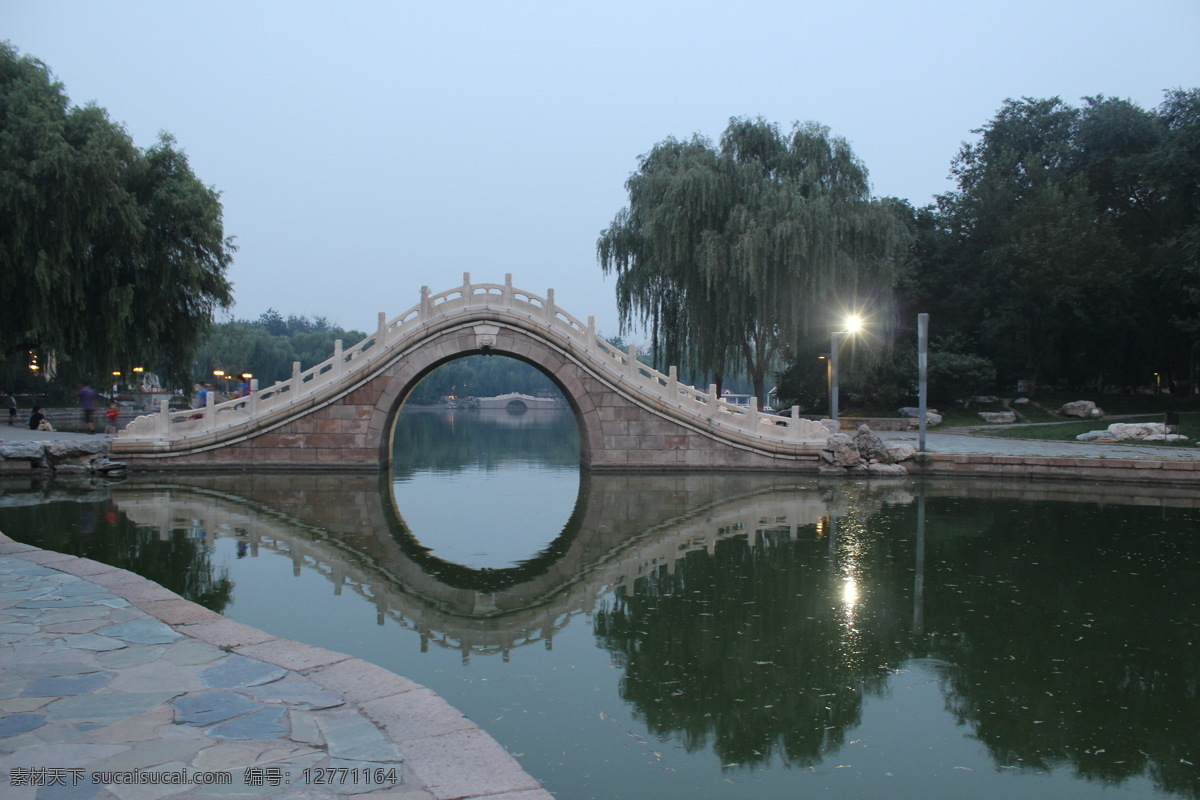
(267, 347)
(1038, 258)
(481, 376)
(729, 254)
(239, 346)
(1068, 250)
(1175, 169)
(112, 255)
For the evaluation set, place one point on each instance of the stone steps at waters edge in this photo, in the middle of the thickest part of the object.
(1180, 471)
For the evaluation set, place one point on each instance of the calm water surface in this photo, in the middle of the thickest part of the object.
(707, 636)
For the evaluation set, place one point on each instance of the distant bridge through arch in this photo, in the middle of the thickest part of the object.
(339, 415)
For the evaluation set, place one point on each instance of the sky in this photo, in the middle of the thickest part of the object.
(366, 149)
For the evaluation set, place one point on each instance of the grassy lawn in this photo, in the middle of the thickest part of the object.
(1040, 419)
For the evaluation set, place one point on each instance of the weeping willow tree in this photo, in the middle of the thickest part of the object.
(730, 254)
(112, 256)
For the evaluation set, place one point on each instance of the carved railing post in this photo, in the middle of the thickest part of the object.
(339, 363)
(466, 289)
(590, 343)
(210, 402)
(294, 383)
(164, 417)
(426, 307)
(508, 290)
(711, 407)
(673, 384)
(253, 397)
(631, 364)
(550, 312)
(380, 332)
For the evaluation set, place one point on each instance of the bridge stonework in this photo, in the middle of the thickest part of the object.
(340, 415)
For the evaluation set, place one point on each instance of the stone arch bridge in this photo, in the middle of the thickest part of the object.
(339, 415)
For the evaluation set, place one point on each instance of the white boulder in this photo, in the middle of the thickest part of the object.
(1139, 431)
(1085, 409)
(932, 417)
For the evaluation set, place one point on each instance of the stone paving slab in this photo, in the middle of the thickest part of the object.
(113, 688)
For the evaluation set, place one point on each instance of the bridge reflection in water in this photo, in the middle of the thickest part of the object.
(758, 618)
(348, 530)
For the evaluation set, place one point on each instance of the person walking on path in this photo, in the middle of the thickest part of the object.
(12, 409)
(87, 399)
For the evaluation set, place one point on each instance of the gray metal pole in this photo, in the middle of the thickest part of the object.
(833, 376)
(923, 370)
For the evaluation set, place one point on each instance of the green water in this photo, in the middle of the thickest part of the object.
(708, 636)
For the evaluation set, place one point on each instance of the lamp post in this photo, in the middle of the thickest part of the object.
(828, 375)
(853, 325)
(922, 378)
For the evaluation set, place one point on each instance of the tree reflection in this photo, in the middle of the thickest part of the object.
(98, 530)
(753, 650)
(1063, 652)
(1059, 649)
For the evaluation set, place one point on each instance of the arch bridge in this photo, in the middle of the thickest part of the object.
(340, 414)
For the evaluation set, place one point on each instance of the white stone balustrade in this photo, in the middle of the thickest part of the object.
(349, 365)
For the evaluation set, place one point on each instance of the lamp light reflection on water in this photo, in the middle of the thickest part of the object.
(850, 593)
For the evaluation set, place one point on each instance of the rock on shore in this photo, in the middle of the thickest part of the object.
(66, 456)
(864, 453)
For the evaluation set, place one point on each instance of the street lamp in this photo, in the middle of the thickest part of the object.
(828, 374)
(853, 324)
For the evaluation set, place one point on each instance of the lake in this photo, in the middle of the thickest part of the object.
(710, 635)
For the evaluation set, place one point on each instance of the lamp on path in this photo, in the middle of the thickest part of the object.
(853, 324)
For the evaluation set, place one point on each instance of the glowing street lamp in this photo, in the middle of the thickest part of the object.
(853, 324)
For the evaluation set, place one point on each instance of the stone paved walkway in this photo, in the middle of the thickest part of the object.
(114, 687)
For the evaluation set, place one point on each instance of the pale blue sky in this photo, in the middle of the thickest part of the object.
(365, 149)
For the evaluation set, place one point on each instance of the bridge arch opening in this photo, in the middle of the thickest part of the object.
(477, 485)
(467, 354)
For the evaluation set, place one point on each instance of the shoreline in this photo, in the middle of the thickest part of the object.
(110, 675)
